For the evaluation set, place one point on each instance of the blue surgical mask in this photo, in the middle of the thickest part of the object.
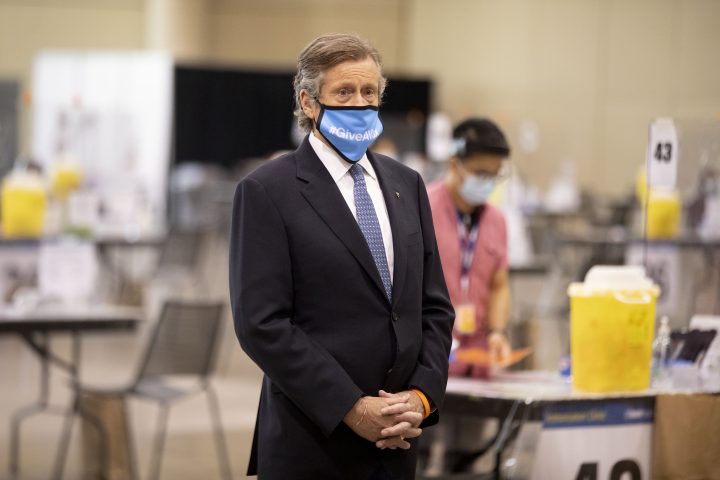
(476, 189)
(349, 130)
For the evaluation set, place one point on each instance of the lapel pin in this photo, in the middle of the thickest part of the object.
(397, 194)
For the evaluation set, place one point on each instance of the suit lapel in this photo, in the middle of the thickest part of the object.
(391, 190)
(325, 198)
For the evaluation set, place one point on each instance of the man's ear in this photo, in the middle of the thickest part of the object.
(307, 103)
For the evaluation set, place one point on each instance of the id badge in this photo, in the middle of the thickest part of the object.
(465, 319)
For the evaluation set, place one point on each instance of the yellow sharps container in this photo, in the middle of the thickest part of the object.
(612, 323)
(23, 205)
(65, 179)
(663, 214)
(662, 207)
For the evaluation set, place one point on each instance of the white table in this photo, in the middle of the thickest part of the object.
(523, 396)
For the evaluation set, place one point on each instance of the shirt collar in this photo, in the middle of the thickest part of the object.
(336, 165)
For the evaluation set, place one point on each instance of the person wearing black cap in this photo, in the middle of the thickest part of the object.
(472, 240)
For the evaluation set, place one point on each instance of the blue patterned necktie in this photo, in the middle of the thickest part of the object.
(370, 227)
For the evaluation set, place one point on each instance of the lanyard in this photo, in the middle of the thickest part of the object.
(468, 242)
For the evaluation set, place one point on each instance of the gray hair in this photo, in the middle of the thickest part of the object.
(322, 54)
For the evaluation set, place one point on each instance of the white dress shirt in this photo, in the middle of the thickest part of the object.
(340, 172)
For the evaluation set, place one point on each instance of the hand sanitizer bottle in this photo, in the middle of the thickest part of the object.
(661, 378)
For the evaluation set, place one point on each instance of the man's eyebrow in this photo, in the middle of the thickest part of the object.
(344, 84)
(351, 84)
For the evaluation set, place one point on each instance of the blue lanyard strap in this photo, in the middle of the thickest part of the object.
(468, 242)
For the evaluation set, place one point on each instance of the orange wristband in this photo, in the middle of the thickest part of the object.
(424, 400)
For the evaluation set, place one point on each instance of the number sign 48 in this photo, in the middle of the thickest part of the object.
(589, 471)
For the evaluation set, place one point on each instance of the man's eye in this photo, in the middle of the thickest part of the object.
(343, 92)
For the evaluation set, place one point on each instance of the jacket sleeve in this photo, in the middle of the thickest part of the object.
(438, 315)
(261, 296)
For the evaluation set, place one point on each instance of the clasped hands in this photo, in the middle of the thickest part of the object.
(388, 419)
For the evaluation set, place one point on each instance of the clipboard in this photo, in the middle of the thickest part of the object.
(481, 357)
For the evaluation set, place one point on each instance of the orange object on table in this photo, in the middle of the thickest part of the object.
(482, 357)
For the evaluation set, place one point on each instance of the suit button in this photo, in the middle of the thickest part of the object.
(395, 317)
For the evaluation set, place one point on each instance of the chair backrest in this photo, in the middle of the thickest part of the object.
(184, 341)
(181, 249)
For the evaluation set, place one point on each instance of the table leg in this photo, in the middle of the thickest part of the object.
(716, 261)
(506, 435)
(15, 424)
(66, 434)
(464, 463)
(42, 348)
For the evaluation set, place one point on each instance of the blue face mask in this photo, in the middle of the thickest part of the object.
(476, 190)
(349, 130)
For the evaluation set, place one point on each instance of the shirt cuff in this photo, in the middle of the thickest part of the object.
(424, 400)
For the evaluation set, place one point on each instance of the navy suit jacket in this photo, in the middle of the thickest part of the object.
(310, 309)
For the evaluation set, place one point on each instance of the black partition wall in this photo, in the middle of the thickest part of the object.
(224, 116)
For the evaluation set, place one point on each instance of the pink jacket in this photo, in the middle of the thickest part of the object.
(490, 256)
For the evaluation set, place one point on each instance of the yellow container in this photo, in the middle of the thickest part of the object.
(66, 178)
(612, 323)
(663, 214)
(23, 206)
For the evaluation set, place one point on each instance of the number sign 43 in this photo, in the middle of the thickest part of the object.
(662, 156)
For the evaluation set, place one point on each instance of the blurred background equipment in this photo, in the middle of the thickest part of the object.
(9, 123)
(103, 120)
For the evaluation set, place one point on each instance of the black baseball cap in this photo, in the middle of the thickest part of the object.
(479, 135)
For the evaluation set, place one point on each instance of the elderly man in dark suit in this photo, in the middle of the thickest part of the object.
(336, 286)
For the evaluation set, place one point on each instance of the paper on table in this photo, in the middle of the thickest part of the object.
(83, 210)
(67, 270)
(479, 356)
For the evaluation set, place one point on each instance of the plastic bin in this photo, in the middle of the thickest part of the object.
(65, 179)
(663, 214)
(612, 323)
(23, 205)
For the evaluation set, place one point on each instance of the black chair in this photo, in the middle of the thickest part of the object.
(184, 342)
